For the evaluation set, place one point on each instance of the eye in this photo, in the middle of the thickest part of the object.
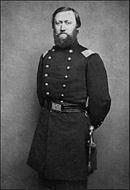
(68, 22)
(57, 23)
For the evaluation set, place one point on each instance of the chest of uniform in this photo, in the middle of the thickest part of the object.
(62, 64)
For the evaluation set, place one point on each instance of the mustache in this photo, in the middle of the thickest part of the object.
(61, 33)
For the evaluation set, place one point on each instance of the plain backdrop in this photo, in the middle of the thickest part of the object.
(26, 33)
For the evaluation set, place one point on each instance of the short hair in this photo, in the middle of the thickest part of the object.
(64, 9)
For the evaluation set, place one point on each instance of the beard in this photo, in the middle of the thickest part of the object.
(64, 40)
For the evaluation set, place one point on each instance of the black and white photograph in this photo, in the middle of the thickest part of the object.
(64, 95)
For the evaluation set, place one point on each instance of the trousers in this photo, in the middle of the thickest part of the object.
(47, 184)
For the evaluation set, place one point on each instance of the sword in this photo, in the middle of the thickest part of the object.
(91, 145)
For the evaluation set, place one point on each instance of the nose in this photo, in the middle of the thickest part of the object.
(63, 27)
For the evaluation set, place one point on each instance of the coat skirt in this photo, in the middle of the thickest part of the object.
(59, 148)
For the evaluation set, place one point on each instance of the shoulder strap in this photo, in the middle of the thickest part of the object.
(43, 55)
(88, 52)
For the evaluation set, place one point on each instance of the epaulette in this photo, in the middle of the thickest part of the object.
(88, 52)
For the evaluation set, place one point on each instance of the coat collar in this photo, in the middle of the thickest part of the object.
(75, 47)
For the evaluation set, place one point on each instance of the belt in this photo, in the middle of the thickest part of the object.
(63, 107)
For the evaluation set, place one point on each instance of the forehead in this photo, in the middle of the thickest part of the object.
(67, 15)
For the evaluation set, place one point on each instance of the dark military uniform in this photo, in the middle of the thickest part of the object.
(69, 75)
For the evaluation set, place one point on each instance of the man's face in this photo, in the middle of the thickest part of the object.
(65, 31)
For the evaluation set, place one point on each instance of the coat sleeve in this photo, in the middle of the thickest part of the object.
(39, 81)
(97, 88)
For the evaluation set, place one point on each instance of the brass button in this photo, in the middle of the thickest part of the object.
(66, 76)
(46, 84)
(68, 67)
(49, 57)
(53, 49)
(47, 93)
(47, 66)
(69, 58)
(64, 85)
(61, 101)
(70, 51)
(62, 95)
(46, 74)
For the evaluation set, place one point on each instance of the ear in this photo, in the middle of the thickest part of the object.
(77, 30)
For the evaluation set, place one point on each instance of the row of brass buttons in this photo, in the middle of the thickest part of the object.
(65, 77)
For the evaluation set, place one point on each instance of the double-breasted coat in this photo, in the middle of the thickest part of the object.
(73, 75)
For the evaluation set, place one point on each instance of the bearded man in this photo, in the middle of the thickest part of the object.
(72, 89)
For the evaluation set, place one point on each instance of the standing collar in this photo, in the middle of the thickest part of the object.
(75, 47)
